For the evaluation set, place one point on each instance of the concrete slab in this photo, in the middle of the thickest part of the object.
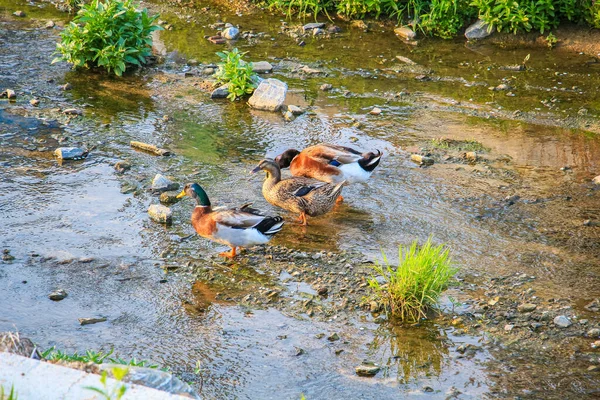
(34, 380)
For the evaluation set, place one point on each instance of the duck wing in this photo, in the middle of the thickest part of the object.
(333, 154)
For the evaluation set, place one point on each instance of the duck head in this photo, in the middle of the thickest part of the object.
(270, 167)
(285, 159)
(196, 192)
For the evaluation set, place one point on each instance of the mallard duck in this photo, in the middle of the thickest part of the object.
(330, 163)
(297, 194)
(236, 227)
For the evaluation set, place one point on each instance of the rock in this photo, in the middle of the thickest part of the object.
(515, 67)
(334, 29)
(193, 62)
(34, 102)
(508, 327)
(262, 67)
(89, 321)
(596, 180)
(502, 86)
(317, 31)
(15, 343)
(308, 70)
(593, 368)
(471, 156)
(231, 33)
(169, 197)
(269, 95)
(66, 86)
(374, 306)
(593, 333)
(295, 109)
(478, 30)
(427, 389)
(375, 111)
(333, 337)
(221, 92)
(217, 39)
(6, 255)
(406, 60)
(562, 322)
(19, 13)
(526, 307)
(160, 184)
(122, 166)
(367, 370)
(73, 111)
(423, 78)
(298, 351)
(208, 71)
(9, 94)
(322, 290)
(312, 26)
(288, 116)
(160, 213)
(421, 160)
(70, 153)
(405, 33)
(57, 295)
(326, 87)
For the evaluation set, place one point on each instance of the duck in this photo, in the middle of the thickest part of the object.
(236, 227)
(298, 194)
(330, 163)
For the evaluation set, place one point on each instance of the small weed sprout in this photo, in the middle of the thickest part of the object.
(551, 40)
(52, 354)
(118, 391)
(236, 73)
(413, 287)
(110, 34)
(12, 395)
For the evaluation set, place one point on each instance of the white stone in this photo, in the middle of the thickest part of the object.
(562, 322)
(405, 33)
(269, 95)
(160, 213)
(262, 67)
(596, 180)
(479, 30)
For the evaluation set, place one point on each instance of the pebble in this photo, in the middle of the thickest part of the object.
(326, 87)
(508, 327)
(262, 67)
(313, 25)
(34, 102)
(421, 160)
(89, 321)
(562, 322)
(160, 213)
(19, 13)
(367, 370)
(169, 197)
(9, 94)
(322, 290)
(295, 109)
(375, 111)
(73, 111)
(231, 33)
(289, 116)
(596, 180)
(333, 337)
(221, 92)
(70, 153)
(66, 86)
(122, 166)
(6, 255)
(593, 333)
(50, 24)
(405, 32)
(160, 184)
(427, 389)
(57, 295)
(527, 307)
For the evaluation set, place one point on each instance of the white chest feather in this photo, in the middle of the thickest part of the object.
(238, 237)
(354, 173)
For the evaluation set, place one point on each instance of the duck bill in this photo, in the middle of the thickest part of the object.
(255, 170)
(182, 194)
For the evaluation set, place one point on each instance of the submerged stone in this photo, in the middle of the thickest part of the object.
(562, 322)
(262, 67)
(479, 30)
(221, 92)
(231, 33)
(405, 33)
(161, 183)
(58, 295)
(89, 321)
(367, 370)
(160, 213)
(70, 153)
(313, 25)
(269, 95)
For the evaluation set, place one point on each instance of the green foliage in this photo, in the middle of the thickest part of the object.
(111, 34)
(236, 73)
(414, 286)
(92, 356)
(115, 393)
(551, 40)
(446, 17)
(591, 12)
(302, 8)
(12, 395)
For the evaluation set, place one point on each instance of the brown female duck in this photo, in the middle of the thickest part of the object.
(300, 195)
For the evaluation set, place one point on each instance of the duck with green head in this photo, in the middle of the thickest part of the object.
(236, 227)
(297, 194)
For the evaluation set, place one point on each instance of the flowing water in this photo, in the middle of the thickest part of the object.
(81, 227)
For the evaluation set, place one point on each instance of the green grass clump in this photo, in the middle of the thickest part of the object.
(96, 357)
(236, 73)
(12, 395)
(110, 34)
(413, 286)
(463, 145)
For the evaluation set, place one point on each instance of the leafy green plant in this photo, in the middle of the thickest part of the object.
(504, 15)
(52, 354)
(116, 392)
(413, 287)
(12, 395)
(236, 73)
(446, 17)
(551, 40)
(111, 34)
